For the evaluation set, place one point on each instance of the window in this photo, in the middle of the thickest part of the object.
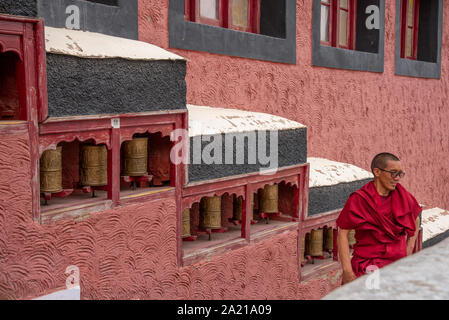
(418, 44)
(338, 23)
(242, 15)
(253, 29)
(349, 34)
(409, 29)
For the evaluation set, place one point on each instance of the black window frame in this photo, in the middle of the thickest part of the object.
(333, 57)
(418, 68)
(189, 35)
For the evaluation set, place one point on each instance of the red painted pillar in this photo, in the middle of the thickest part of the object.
(114, 168)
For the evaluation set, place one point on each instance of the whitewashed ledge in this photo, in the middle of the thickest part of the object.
(420, 276)
(204, 120)
(85, 44)
(324, 172)
(435, 224)
(68, 294)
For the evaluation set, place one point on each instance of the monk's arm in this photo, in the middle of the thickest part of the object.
(344, 255)
(412, 240)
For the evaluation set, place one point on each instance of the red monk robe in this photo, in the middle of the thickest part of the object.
(381, 225)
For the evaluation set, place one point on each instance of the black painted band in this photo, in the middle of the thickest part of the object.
(78, 86)
(330, 198)
(292, 150)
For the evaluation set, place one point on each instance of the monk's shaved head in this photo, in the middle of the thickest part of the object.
(380, 160)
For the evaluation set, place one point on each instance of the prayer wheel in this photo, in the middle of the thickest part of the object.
(51, 171)
(210, 213)
(94, 166)
(269, 199)
(238, 206)
(186, 223)
(159, 159)
(316, 243)
(135, 157)
(329, 239)
(351, 238)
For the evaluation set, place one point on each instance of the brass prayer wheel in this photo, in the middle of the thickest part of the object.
(159, 159)
(210, 213)
(329, 239)
(238, 208)
(94, 166)
(316, 243)
(351, 238)
(51, 171)
(186, 223)
(135, 157)
(269, 199)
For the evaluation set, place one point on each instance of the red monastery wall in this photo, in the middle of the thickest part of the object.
(130, 252)
(350, 115)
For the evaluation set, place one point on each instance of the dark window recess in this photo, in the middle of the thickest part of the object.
(428, 31)
(366, 39)
(106, 2)
(272, 18)
(11, 87)
(419, 30)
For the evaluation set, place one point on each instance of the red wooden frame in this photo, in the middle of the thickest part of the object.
(244, 185)
(334, 23)
(253, 18)
(25, 37)
(192, 13)
(331, 21)
(405, 9)
(222, 14)
(100, 129)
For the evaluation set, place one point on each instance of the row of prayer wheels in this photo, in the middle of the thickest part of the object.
(210, 209)
(138, 160)
(93, 168)
(94, 164)
(318, 241)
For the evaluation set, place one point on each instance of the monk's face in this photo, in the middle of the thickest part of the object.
(386, 181)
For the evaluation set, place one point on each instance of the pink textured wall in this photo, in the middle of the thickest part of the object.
(130, 252)
(350, 115)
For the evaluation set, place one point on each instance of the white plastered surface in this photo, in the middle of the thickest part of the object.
(85, 44)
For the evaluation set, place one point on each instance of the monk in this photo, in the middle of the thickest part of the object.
(385, 217)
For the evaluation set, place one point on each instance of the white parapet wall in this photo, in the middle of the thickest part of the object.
(435, 224)
(325, 172)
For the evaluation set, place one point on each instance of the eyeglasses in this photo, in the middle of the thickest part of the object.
(394, 174)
